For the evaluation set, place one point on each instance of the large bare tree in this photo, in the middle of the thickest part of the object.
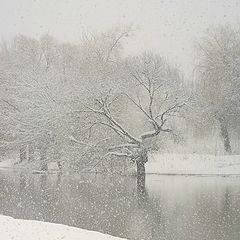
(42, 81)
(154, 96)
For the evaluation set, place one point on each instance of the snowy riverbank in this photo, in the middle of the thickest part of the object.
(191, 164)
(17, 229)
(168, 163)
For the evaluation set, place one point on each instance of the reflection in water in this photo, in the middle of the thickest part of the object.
(170, 208)
(22, 181)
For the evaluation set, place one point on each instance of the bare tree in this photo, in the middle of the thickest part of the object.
(155, 98)
(33, 94)
(218, 75)
(43, 81)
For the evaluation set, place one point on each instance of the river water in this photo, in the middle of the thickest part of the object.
(171, 208)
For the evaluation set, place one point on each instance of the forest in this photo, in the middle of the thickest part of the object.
(90, 106)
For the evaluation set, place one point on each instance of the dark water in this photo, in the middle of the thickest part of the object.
(172, 208)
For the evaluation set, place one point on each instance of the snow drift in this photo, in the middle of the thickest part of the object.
(17, 229)
(193, 164)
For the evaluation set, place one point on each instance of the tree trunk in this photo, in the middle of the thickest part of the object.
(141, 171)
(23, 154)
(43, 160)
(225, 135)
(30, 152)
(22, 182)
(140, 176)
(60, 165)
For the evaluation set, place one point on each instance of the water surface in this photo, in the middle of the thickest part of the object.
(171, 208)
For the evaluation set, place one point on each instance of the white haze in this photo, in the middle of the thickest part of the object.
(166, 26)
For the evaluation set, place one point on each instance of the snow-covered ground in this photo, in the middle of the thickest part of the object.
(17, 229)
(8, 162)
(193, 164)
(170, 163)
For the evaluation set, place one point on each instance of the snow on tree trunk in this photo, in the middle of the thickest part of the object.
(225, 135)
(23, 153)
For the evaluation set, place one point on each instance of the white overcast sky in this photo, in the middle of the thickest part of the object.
(167, 26)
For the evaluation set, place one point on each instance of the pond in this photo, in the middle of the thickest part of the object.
(171, 208)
